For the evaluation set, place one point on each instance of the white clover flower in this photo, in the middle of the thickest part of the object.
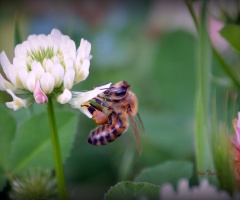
(203, 191)
(44, 66)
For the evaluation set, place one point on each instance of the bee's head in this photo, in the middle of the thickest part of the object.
(118, 90)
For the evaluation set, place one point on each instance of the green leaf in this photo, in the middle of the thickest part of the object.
(7, 134)
(17, 36)
(130, 191)
(3, 182)
(232, 34)
(3, 179)
(32, 146)
(126, 164)
(169, 172)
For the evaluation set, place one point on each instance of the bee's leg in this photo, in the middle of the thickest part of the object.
(119, 121)
(90, 108)
(110, 116)
(97, 107)
(98, 116)
(110, 119)
(120, 127)
(102, 103)
(107, 99)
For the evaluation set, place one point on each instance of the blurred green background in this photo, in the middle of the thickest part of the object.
(151, 45)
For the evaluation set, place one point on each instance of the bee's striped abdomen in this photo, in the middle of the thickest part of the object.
(106, 133)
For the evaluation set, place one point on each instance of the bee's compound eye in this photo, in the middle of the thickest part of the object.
(121, 92)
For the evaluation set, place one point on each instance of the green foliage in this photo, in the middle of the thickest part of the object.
(17, 36)
(163, 104)
(7, 135)
(132, 191)
(125, 167)
(173, 63)
(32, 145)
(232, 34)
(3, 179)
(169, 172)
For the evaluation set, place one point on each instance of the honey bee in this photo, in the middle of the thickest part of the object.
(121, 104)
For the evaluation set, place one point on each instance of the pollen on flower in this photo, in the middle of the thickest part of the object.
(86, 103)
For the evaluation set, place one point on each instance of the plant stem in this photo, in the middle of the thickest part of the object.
(56, 151)
(223, 63)
(203, 147)
(204, 157)
(190, 8)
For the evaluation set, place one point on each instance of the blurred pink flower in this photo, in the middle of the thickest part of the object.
(236, 143)
(236, 138)
(218, 41)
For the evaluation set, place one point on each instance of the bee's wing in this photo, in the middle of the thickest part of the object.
(141, 123)
(135, 131)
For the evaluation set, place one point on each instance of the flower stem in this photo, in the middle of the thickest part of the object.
(190, 8)
(56, 151)
(204, 157)
(223, 63)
